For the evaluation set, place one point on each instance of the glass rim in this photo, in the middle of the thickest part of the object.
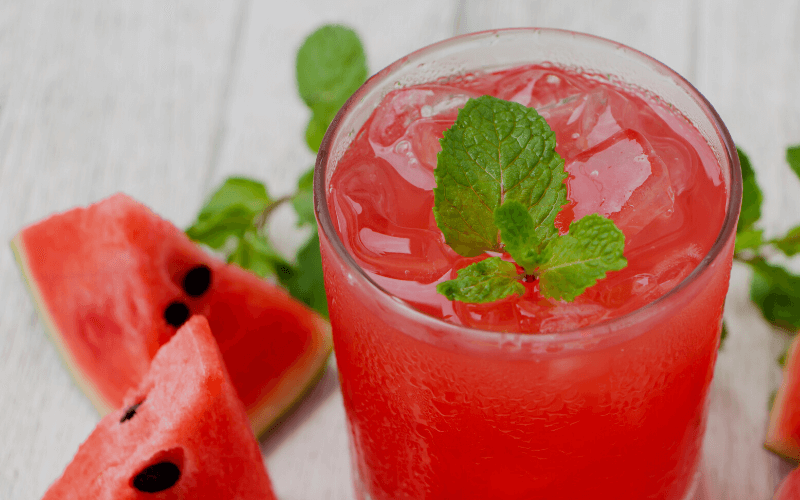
(608, 326)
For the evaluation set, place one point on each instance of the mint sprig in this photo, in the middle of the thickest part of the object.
(499, 186)
(774, 289)
(234, 221)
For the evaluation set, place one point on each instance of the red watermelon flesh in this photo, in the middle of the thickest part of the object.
(113, 281)
(789, 489)
(783, 433)
(183, 433)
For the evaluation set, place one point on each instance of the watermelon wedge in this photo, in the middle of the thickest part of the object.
(783, 433)
(183, 433)
(789, 489)
(113, 282)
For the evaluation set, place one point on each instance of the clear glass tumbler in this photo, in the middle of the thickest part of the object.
(611, 410)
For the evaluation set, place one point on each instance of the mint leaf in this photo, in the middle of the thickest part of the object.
(776, 292)
(751, 195)
(789, 243)
(576, 260)
(303, 200)
(229, 212)
(723, 335)
(793, 158)
(256, 254)
(485, 281)
(316, 128)
(305, 281)
(783, 357)
(748, 239)
(331, 66)
(518, 234)
(496, 151)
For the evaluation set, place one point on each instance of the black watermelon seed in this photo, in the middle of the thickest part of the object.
(197, 281)
(176, 314)
(157, 477)
(130, 412)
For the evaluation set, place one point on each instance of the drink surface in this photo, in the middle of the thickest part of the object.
(628, 158)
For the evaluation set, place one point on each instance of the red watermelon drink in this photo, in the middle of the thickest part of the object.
(528, 396)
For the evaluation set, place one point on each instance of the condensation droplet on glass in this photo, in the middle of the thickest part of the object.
(553, 79)
(576, 135)
(594, 173)
(426, 111)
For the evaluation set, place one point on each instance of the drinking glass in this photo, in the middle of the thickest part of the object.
(610, 410)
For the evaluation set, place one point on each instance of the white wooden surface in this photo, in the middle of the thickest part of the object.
(163, 99)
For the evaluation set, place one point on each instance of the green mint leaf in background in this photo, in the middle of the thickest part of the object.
(518, 234)
(316, 128)
(304, 281)
(789, 243)
(776, 292)
(229, 212)
(331, 66)
(255, 253)
(793, 158)
(485, 281)
(723, 334)
(748, 239)
(751, 195)
(496, 151)
(303, 200)
(576, 260)
(783, 357)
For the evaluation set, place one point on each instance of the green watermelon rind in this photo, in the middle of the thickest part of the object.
(295, 382)
(102, 406)
(782, 426)
(290, 394)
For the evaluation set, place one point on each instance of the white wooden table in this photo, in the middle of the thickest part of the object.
(163, 99)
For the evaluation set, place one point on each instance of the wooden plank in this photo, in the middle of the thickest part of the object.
(95, 97)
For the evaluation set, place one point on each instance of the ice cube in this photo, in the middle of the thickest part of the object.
(581, 121)
(536, 87)
(388, 235)
(621, 178)
(408, 124)
(572, 315)
(673, 268)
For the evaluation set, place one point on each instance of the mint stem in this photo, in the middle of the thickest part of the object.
(261, 219)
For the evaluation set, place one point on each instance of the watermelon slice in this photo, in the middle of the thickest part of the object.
(114, 281)
(183, 433)
(783, 433)
(789, 488)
